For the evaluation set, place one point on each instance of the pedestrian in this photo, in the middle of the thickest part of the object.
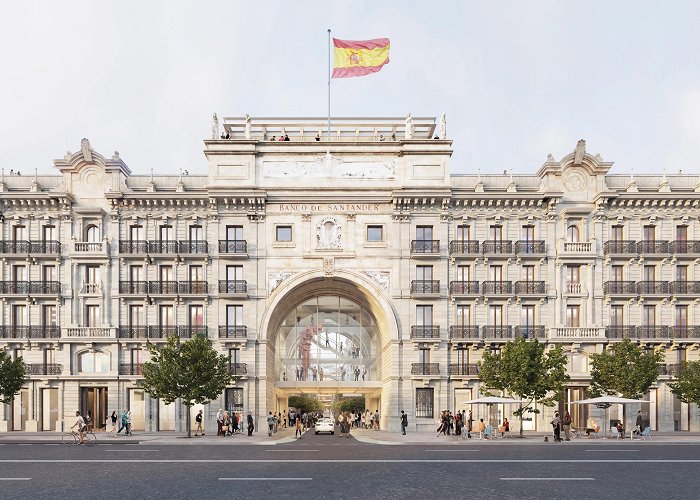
(88, 421)
(234, 423)
(251, 427)
(404, 422)
(470, 424)
(220, 422)
(124, 422)
(556, 426)
(298, 428)
(227, 424)
(639, 423)
(376, 419)
(566, 422)
(270, 424)
(198, 420)
(114, 419)
(128, 423)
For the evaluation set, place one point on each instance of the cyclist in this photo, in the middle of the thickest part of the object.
(80, 423)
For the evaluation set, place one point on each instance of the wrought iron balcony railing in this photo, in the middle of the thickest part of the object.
(131, 369)
(425, 332)
(194, 246)
(238, 368)
(620, 332)
(463, 369)
(233, 332)
(620, 288)
(425, 369)
(14, 247)
(653, 332)
(163, 332)
(30, 287)
(464, 247)
(29, 332)
(620, 247)
(497, 247)
(163, 247)
(134, 332)
(653, 287)
(530, 331)
(653, 247)
(685, 287)
(190, 331)
(464, 287)
(497, 332)
(463, 332)
(497, 288)
(669, 369)
(45, 247)
(192, 287)
(133, 247)
(233, 286)
(43, 369)
(681, 247)
(236, 247)
(529, 287)
(163, 287)
(425, 286)
(425, 246)
(684, 331)
(524, 247)
(133, 287)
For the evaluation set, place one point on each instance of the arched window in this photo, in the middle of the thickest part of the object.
(572, 234)
(94, 362)
(92, 234)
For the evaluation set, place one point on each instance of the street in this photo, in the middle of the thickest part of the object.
(327, 466)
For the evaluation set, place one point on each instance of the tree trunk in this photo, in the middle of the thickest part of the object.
(521, 420)
(188, 420)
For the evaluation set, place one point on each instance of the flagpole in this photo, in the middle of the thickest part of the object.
(329, 84)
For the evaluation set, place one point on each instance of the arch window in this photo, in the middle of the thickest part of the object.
(573, 234)
(93, 362)
(92, 234)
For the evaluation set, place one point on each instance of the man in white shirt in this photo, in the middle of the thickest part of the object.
(80, 423)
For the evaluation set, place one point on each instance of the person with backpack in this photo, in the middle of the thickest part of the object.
(198, 419)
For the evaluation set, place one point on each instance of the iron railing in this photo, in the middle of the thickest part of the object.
(162, 247)
(134, 332)
(459, 332)
(620, 247)
(50, 247)
(233, 332)
(620, 288)
(131, 369)
(464, 287)
(133, 247)
(425, 246)
(497, 287)
(425, 369)
(233, 286)
(497, 247)
(685, 247)
(653, 247)
(233, 247)
(497, 332)
(190, 331)
(620, 332)
(14, 247)
(653, 332)
(529, 287)
(43, 369)
(530, 331)
(685, 287)
(238, 368)
(163, 287)
(425, 332)
(30, 287)
(194, 246)
(684, 331)
(192, 287)
(669, 369)
(653, 287)
(45, 247)
(464, 247)
(463, 369)
(425, 286)
(133, 287)
(530, 247)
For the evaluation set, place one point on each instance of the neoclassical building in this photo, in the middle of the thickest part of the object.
(353, 263)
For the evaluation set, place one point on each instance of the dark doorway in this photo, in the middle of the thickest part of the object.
(93, 400)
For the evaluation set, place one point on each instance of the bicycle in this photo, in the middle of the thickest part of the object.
(73, 438)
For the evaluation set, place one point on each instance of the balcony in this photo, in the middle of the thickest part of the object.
(91, 289)
(653, 332)
(529, 288)
(30, 288)
(90, 247)
(620, 247)
(577, 332)
(620, 332)
(577, 249)
(653, 288)
(193, 287)
(160, 332)
(530, 331)
(233, 287)
(134, 332)
(133, 287)
(233, 332)
(464, 287)
(29, 332)
(574, 288)
(425, 369)
(425, 247)
(131, 369)
(654, 247)
(620, 288)
(43, 369)
(671, 370)
(162, 247)
(685, 287)
(497, 247)
(464, 248)
(684, 332)
(239, 369)
(463, 369)
(497, 332)
(45, 247)
(233, 248)
(14, 247)
(425, 287)
(497, 288)
(90, 332)
(421, 332)
(198, 247)
(685, 248)
(534, 248)
(163, 287)
(187, 332)
(133, 247)
(462, 332)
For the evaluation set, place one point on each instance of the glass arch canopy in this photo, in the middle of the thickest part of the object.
(328, 338)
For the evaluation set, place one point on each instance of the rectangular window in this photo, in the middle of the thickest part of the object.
(464, 233)
(234, 356)
(616, 273)
(196, 233)
(462, 356)
(681, 233)
(616, 233)
(496, 273)
(234, 315)
(649, 273)
(234, 399)
(49, 233)
(375, 233)
(196, 316)
(527, 316)
(49, 356)
(283, 233)
(136, 233)
(464, 273)
(234, 233)
(681, 318)
(529, 273)
(682, 273)
(424, 402)
(495, 316)
(19, 315)
(136, 316)
(496, 233)
(617, 318)
(166, 273)
(424, 233)
(424, 315)
(464, 315)
(49, 315)
(424, 357)
(234, 273)
(19, 273)
(136, 273)
(135, 355)
(19, 233)
(196, 273)
(527, 233)
(573, 274)
(573, 316)
(649, 233)
(49, 273)
(167, 233)
(649, 315)
(424, 273)
(92, 315)
(92, 274)
(166, 316)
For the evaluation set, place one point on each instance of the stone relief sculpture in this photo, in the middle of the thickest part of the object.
(247, 134)
(408, 132)
(214, 126)
(329, 166)
(275, 279)
(443, 126)
(380, 277)
(329, 234)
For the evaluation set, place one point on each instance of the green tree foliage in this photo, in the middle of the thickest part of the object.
(625, 369)
(192, 371)
(11, 377)
(524, 370)
(305, 403)
(353, 405)
(687, 385)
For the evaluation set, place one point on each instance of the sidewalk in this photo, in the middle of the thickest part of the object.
(158, 438)
(530, 438)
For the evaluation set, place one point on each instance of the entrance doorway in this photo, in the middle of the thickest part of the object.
(93, 402)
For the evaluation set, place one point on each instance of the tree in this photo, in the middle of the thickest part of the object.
(687, 384)
(354, 405)
(625, 369)
(192, 371)
(305, 404)
(11, 377)
(527, 372)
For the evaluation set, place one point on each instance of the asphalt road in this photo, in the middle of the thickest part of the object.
(332, 467)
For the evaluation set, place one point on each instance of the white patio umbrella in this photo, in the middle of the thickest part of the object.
(607, 400)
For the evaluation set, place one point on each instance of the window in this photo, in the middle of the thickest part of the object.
(49, 356)
(529, 273)
(92, 234)
(464, 315)
(283, 233)
(136, 316)
(136, 273)
(496, 273)
(649, 315)
(166, 316)
(166, 273)
(649, 233)
(375, 233)
(49, 233)
(527, 319)
(573, 316)
(166, 233)
(196, 273)
(135, 355)
(528, 233)
(462, 356)
(424, 233)
(424, 273)
(92, 274)
(234, 273)
(234, 233)
(48, 274)
(49, 315)
(464, 273)
(19, 315)
(234, 356)
(92, 315)
(234, 399)
(616, 233)
(572, 234)
(136, 233)
(424, 402)
(681, 233)
(616, 273)
(94, 362)
(681, 318)
(424, 315)
(196, 316)
(649, 273)
(682, 273)
(234, 315)
(19, 273)
(617, 318)
(496, 233)
(464, 233)
(424, 356)
(495, 316)
(196, 233)
(573, 279)
(19, 233)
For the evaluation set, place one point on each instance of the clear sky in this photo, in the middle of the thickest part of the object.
(517, 79)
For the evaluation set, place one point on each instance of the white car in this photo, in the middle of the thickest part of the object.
(324, 425)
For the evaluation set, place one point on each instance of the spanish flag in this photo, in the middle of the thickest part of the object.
(359, 57)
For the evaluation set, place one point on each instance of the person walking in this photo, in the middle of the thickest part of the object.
(556, 426)
(198, 420)
(470, 424)
(251, 426)
(114, 419)
(298, 428)
(124, 423)
(270, 424)
(566, 422)
(404, 422)
(376, 420)
(220, 422)
(639, 423)
(128, 423)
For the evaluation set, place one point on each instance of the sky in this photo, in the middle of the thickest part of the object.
(517, 80)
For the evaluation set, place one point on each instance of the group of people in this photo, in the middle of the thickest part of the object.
(124, 421)
(317, 373)
(227, 423)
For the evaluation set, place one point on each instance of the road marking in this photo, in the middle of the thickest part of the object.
(351, 461)
(129, 451)
(52, 445)
(100, 444)
(450, 451)
(25, 444)
(613, 450)
(15, 478)
(546, 479)
(265, 479)
(294, 451)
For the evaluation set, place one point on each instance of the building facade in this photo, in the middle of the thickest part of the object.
(353, 263)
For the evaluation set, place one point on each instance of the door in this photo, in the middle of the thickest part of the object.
(49, 409)
(527, 320)
(93, 402)
(166, 416)
(137, 405)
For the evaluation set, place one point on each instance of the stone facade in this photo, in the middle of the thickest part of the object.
(97, 262)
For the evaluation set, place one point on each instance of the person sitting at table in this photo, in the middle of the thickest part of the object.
(620, 429)
(482, 426)
(591, 427)
(505, 427)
